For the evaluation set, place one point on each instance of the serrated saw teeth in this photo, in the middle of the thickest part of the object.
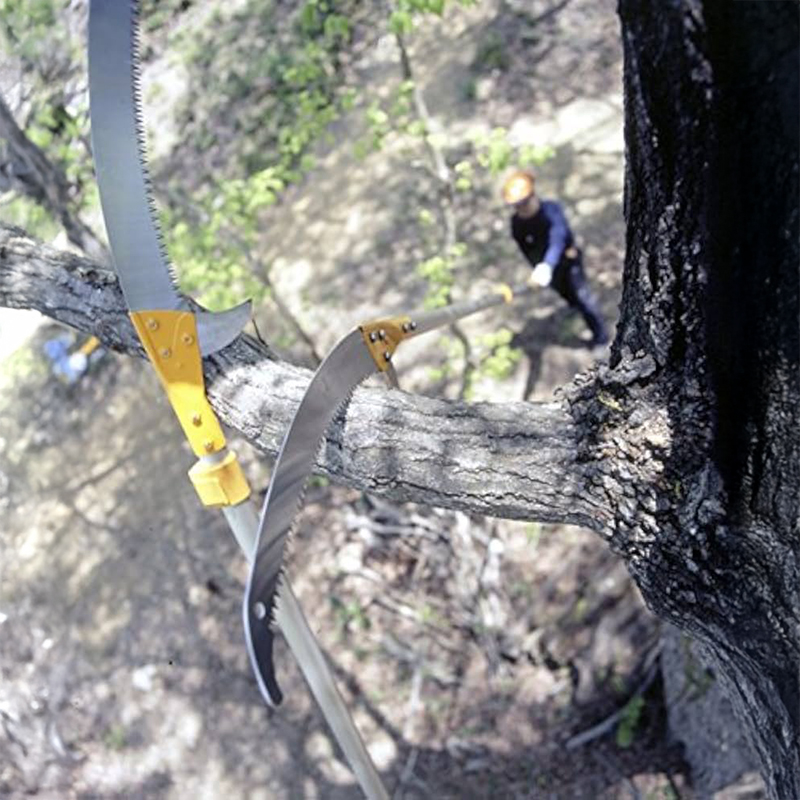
(140, 258)
(347, 365)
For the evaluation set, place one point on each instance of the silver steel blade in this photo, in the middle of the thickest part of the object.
(343, 369)
(216, 329)
(118, 147)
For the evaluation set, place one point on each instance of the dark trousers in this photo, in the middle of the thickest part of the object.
(569, 280)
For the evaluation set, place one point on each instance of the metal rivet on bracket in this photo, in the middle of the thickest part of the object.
(166, 352)
(152, 324)
(187, 339)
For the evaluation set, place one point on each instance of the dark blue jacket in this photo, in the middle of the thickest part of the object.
(544, 236)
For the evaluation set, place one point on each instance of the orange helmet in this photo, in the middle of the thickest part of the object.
(518, 187)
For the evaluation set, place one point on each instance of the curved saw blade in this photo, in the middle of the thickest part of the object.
(118, 147)
(343, 369)
(139, 256)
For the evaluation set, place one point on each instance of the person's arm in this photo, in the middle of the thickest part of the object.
(559, 234)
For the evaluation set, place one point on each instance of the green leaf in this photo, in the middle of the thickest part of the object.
(400, 23)
(631, 715)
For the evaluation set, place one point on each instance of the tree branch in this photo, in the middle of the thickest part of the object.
(29, 172)
(515, 460)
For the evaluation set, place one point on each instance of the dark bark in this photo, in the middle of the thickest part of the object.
(711, 293)
(683, 452)
(27, 170)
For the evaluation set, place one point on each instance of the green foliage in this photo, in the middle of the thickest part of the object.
(405, 12)
(491, 54)
(629, 721)
(438, 272)
(495, 153)
(157, 14)
(268, 89)
(533, 533)
(393, 116)
(499, 358)
(26, 213)
(348, 615)
(22, 364)
(26, 23)
(116, 737)
(212, 256)
(465, 175)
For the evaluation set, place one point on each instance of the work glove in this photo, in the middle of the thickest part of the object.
(542, 275)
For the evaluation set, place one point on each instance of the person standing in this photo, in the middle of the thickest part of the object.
(542, 233)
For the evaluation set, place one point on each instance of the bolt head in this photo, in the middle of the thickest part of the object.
(413, 325)
(387, 356)
(381, 334)
(208, 445)
(187, 339)
(373, 337)
(196, 420)
(152, 324)
(166, 352)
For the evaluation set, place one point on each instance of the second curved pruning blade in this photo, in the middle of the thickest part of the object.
(347, 365)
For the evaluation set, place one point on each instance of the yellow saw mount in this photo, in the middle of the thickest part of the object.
(170, 341)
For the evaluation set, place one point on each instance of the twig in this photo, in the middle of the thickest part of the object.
(602, 728)
(407, 773)
(442, 172)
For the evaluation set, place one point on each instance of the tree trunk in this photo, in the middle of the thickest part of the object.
(683, 453)
(711, 293)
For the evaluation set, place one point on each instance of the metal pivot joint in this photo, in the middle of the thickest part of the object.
(382, 337)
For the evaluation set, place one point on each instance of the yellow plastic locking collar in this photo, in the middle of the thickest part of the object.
(170, 339)
(220, 483)
(382, 337)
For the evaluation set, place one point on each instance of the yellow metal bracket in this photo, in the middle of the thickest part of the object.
(382, 336)
(170, 339)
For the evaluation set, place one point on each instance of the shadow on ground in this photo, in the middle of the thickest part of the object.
(124, 670)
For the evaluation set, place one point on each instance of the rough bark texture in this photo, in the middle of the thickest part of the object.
(683, 453)
(517, 460)
(711, 293)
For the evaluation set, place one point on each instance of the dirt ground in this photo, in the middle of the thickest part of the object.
(471, 651)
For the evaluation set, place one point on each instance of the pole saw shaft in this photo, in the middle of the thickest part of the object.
(243, 522)
(382, 336)
(429, 320)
